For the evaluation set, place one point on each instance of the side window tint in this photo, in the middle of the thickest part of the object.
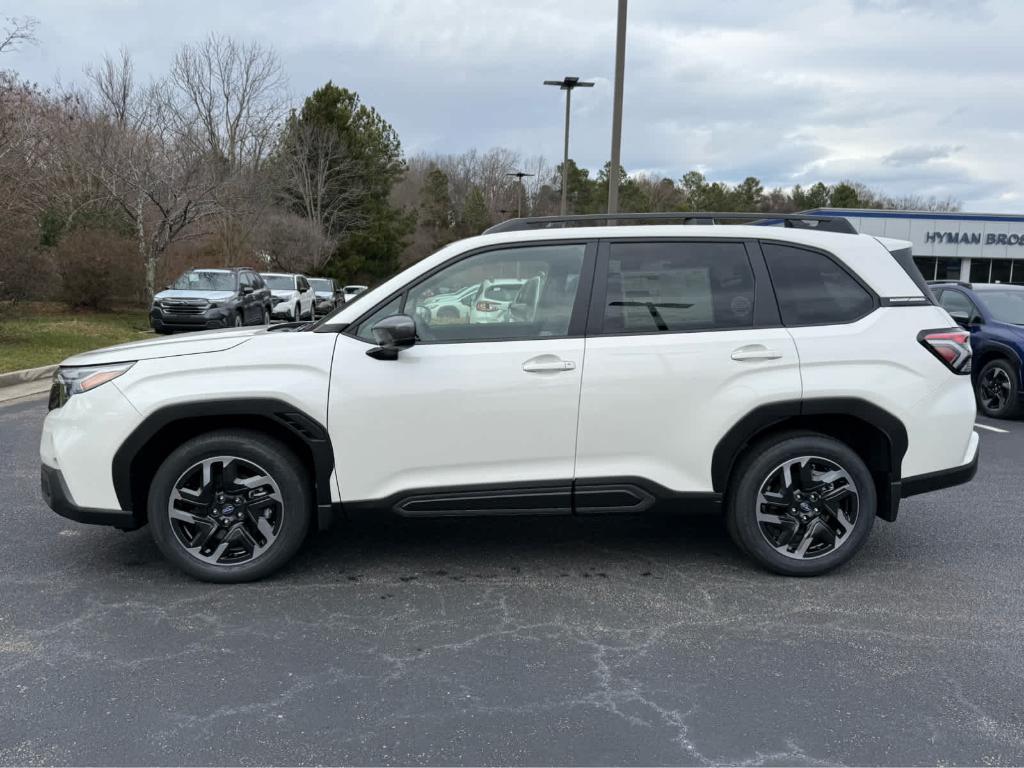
(365, 331)
(955, 302)
(812, 289)
(670, 287)
(513, 293)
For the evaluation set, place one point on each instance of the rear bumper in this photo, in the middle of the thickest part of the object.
(58, 498)
(944, 478)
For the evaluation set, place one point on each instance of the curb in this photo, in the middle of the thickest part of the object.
(14, 378)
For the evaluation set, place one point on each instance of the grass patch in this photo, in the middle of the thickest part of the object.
(36, 334)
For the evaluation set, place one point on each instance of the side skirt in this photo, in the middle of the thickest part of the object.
(598, 496)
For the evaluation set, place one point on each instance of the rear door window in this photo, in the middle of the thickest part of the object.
(813, 289)
(666, 287)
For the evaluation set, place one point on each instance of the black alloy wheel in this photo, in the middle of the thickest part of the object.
(807, 507)
(801, 504)
(225, 510)
(997, 390)
(230, 506)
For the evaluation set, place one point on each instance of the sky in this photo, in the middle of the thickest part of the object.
(916, 97)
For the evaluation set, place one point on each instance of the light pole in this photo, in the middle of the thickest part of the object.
(519, 192)
(620, 72)
(567, 84)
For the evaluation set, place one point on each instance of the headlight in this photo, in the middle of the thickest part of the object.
(75, 380)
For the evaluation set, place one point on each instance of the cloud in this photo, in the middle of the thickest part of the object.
(920, 154)
(913, 96)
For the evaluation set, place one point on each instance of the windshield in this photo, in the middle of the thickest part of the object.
(202, 280)
(321, 284)
(279, 282)
(1006, 306)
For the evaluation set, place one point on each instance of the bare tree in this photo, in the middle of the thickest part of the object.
(119, 141)
(17, 31)
(318, 179)
(229, 97)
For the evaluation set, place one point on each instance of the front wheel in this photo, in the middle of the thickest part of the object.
(997, 392)
(230, 506)
(801, 505)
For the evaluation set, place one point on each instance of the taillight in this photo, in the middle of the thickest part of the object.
(487, 306)
(951, 345)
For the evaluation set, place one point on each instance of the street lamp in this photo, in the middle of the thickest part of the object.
(567, 84)
(620, 67)
(519, 192)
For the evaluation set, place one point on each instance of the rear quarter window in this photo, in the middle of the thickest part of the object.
(813, 289)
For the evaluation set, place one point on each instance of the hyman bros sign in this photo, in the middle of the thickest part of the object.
(974, 238)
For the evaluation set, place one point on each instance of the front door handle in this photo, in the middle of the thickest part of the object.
(547, 364)
(756, 352)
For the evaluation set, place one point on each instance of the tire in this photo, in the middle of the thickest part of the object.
(296, 315)
(997, 390)
(827, 510)
(266, 316)
(239, 320)
(256, 541)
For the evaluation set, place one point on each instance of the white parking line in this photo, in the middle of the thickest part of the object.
(994, 429)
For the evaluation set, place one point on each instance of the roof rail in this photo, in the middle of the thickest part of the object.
(961, 283)
(796, 220)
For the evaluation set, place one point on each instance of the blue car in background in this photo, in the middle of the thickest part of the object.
(994, 314)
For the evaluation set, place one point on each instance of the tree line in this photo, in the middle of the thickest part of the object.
(111, 186)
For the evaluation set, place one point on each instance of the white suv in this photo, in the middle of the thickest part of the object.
(799, 378)
(291, 296)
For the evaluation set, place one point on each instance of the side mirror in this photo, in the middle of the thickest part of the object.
(961, 318)
(392, 335)
(246, 289)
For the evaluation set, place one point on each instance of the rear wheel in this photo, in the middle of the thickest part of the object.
(230, 506)
(801, 505)
(997, 391)
(239, 320)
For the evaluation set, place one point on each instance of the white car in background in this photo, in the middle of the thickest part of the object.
(291, 296)
(492, 302)
(450, 307)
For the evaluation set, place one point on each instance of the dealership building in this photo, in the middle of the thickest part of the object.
(979, 247)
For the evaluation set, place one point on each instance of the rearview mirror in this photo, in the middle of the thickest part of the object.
(392, 335)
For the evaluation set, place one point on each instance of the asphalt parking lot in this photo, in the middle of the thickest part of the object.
(599, 641)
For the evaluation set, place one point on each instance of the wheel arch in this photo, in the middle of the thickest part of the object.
(139, 456)
(877, 436)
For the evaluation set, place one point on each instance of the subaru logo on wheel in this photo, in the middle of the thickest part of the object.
(228, 509)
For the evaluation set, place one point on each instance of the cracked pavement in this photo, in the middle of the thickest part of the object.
(504, 641)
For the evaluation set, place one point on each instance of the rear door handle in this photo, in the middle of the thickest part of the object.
(545, 364)
(756, 352)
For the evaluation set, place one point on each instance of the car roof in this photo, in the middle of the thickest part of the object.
(996, 287)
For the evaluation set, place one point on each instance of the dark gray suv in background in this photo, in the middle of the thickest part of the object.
(211, 298)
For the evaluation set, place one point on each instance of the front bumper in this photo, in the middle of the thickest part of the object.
(283, 309)
(58, 498)
(166, 320)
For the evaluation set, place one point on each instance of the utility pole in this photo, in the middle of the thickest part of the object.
(567, 84)
(620, 73)
(519, 191)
